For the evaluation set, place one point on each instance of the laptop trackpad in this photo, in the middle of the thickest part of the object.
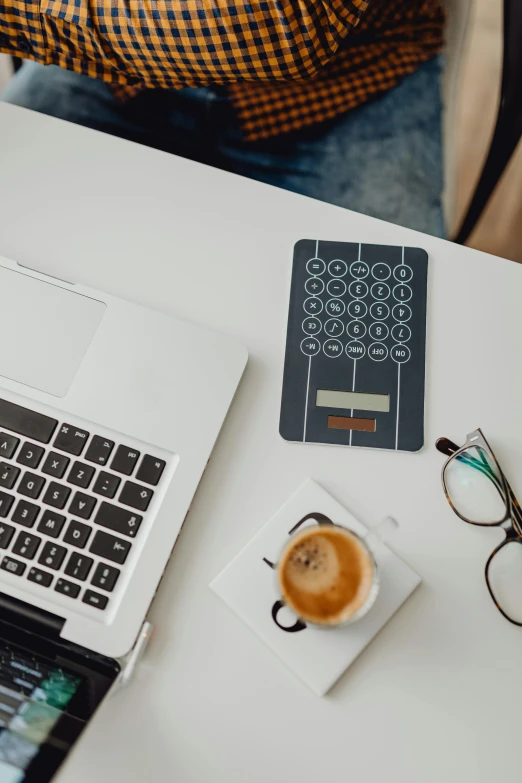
(45, 331)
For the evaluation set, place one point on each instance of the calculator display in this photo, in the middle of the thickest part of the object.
(353, 400)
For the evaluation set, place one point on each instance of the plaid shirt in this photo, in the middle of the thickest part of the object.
(286, 63)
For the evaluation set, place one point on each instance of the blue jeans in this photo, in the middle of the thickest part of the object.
(383, 159)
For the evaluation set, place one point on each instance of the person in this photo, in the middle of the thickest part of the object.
(334, 99)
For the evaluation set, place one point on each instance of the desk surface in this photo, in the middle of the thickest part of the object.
(436, 696)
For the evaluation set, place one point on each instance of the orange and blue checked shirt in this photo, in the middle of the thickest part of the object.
(285, 64)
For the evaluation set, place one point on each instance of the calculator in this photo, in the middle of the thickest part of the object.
(354, 372)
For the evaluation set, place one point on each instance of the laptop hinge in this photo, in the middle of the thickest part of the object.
(30, 618)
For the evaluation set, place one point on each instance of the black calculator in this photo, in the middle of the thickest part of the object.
(354, 371)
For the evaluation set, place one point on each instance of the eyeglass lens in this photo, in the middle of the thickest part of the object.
(505, 579)
(474, 486)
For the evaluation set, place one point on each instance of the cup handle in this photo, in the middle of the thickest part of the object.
(381, 532)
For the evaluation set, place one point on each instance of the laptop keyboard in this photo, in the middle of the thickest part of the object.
(71, 503)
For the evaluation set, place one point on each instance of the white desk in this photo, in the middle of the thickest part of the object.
(436, 697)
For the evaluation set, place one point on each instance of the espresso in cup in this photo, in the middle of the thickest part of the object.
(327, 575)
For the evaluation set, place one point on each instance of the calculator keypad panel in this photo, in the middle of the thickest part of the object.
(357, 323)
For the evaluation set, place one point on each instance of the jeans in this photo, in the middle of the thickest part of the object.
(382, 159)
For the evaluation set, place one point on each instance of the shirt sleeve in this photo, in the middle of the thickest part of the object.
(178, 43)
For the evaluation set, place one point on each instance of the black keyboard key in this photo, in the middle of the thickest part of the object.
(52, 555)
(8, 445)
(15, 567)
(77, 534)
(110, 547)
(56, 495)
(26, 422)
(6, 534)
(80, 474)
(125, 460)
(82, 505)
(78, 566)
(26, 545)
(31, 485)
(71, 439)
(67, 588)
(135, 496)
(25, 513)
(95, 599)
(40, 577)
(150, 470)
(6, 501)
(55, 464)
(8, 475)
(118, 519)
(105, 577)
(99, 450)
(51, 523)
(30, 455)
(106, 484)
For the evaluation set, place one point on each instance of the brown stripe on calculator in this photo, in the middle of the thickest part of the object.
(351, 423)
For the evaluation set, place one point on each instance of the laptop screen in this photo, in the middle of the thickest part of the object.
(47, 695)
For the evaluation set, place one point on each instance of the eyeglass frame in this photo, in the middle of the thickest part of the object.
(513, 513)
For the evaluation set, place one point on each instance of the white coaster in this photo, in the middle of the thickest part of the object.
(248, 586)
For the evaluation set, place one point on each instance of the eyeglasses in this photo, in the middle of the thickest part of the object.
(479, 493)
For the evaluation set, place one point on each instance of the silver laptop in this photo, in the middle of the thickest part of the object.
(108, 415)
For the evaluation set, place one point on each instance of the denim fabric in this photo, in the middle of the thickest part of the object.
(382, 159)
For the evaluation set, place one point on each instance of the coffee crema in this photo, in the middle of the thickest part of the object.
(326, 574)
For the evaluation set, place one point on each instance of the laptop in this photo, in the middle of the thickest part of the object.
(108, 415)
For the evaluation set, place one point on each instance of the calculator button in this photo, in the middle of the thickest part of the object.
(355, 350)
(336, 288)
(401, 333)
(356, 329)
(310, 346)
(334, 327)
(379, 311)
(358, 289)
(357, 309)
(378, 352)
(335, 307)
(378, 331)
(400, 353)
(314, 286)
(312, 325)
(312, 305)
(359, 270)
(337, 268)
(403, 273)
(401, 312)
(402, 292)
(315, 266)
(381, 272)
(380, 291)
(333, 348)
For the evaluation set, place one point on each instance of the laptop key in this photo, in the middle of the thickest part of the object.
(8, 444)
(118, 519)
(31, 485)
(56, 495)
(81, 475)
(71, 439)
(51, 523)
(6, 534)
(135, 496)
(78, 566)
(8, 475)
(110, 547)
(30, 455)
(105, 577)
(26, 422)
(15, 567)
(6, 501)
(67, 588)
(26, 545)
(77, 534)
(95, 599)
(150, 470)
(40, 577)
(125, 460)
(52, 555)
(106, 484)
(55, 464)
(25, 513)
(82, 505)
(99, 450)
